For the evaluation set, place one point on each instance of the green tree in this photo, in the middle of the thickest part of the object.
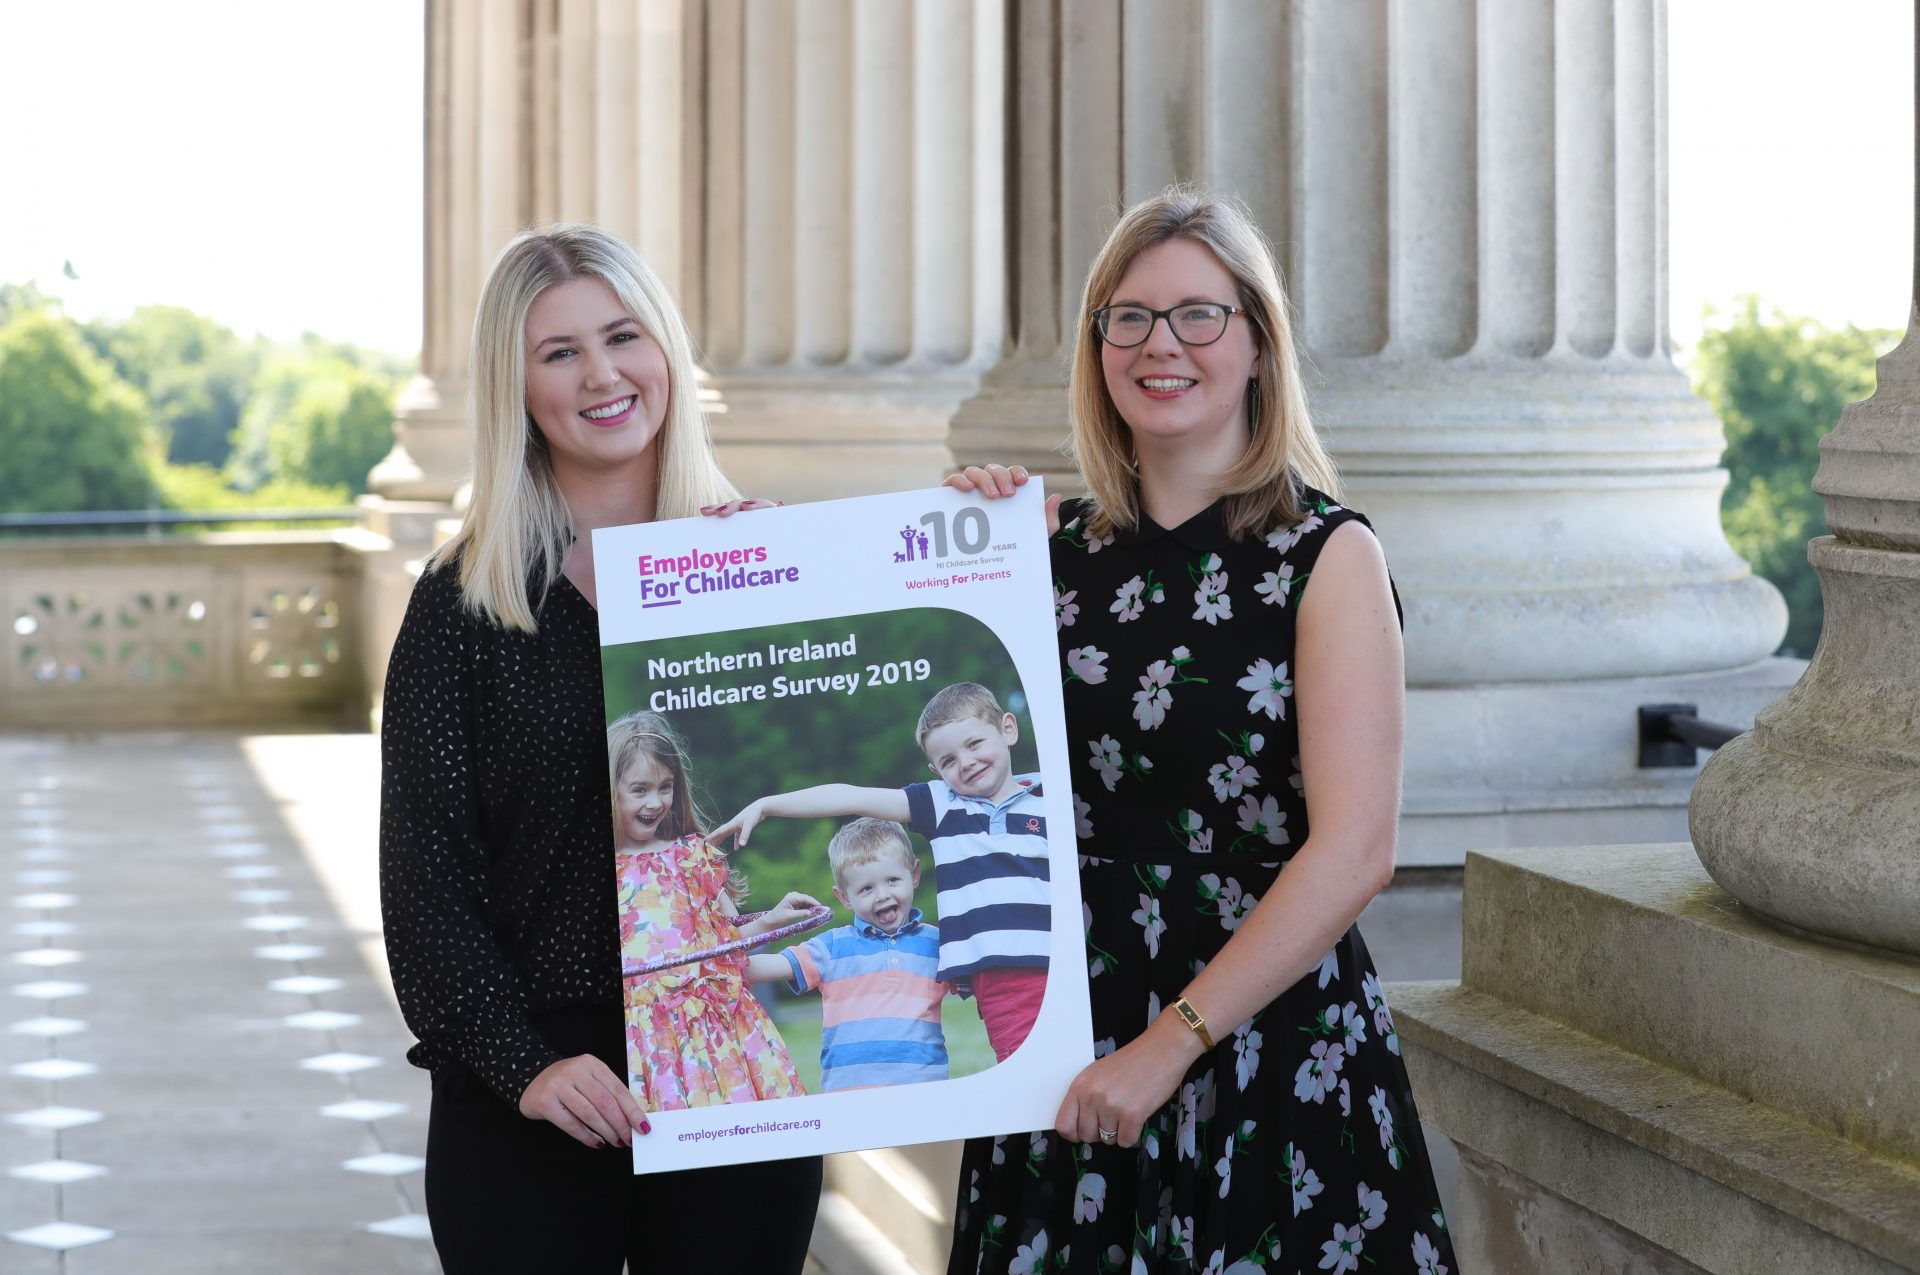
(316, 416)
(193, 370)
(338, 427)
(18, 298)
(74, 436)
(202, 487)
(1778, 382)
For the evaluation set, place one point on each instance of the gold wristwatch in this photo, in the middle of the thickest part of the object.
(1191, 1017)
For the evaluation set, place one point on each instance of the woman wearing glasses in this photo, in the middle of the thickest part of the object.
(1232, 656)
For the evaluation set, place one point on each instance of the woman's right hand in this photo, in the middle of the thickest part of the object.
(583, 1097)
(995, 481)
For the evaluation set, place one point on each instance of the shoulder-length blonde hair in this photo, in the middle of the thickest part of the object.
(518, 529)
(1261, 488)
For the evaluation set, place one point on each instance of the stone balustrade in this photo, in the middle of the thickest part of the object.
(235, 628)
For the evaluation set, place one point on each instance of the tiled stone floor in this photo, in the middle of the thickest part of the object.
(201, 1066)
(174, 973)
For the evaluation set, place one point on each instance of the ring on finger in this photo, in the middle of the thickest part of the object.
(1108, 1135)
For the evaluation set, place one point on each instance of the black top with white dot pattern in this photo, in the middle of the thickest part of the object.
(496, 849)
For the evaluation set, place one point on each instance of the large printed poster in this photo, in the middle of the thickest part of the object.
(843, 835)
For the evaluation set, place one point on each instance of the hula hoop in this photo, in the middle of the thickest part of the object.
(812, 921)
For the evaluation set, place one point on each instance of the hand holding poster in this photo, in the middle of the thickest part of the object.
(848, 897)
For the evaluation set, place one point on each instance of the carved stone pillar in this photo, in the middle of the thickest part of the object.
(853, 235)
(1468, 202)
(1814, 818)
(538, 111)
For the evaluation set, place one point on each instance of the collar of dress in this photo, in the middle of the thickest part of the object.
(1205, 531)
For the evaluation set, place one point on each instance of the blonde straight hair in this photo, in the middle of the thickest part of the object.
(1262, 487)
(518, 529)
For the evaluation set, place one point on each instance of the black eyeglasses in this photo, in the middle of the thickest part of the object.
(1193, 323)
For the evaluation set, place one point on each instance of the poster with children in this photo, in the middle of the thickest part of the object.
(843, 837)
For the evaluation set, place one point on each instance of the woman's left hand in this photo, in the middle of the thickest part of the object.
(731, 507)
(1117, 1094)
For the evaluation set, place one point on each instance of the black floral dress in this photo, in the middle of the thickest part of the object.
(1292, 1146)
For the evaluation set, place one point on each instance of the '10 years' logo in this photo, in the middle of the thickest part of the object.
(970, 532)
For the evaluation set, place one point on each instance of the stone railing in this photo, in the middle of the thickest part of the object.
(239, 628)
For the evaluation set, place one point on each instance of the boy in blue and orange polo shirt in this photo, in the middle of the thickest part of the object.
(879, 997)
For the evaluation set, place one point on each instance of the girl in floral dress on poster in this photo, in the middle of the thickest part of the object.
(696, 1036)
(1230, 644)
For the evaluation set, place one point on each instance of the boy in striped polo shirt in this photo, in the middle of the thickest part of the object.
(879, 997)
(988, 830)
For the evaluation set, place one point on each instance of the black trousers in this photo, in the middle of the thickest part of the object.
(514, 1196)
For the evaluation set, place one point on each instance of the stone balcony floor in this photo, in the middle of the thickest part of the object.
(202, 1068)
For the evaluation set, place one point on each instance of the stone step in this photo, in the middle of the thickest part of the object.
(1701, 1173)
(1636, 945)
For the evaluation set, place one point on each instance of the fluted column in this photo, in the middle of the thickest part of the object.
(853, 233)
(477, 196)
(1814, 818)
(1480, 236)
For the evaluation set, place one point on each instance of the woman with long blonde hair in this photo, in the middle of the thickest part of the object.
(495, 848)
(1235, 696)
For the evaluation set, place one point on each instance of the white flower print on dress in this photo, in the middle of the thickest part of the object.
(1147, 917)
(1223, 1167)
(1347, 1019)
(1030, 1258)
(1275, 586)
(1127, 603)
(1104, 1046)
(1234, 904)
(1065, 609)
(1287, 537)
(1263, 819)
(1383, 1117)
(1180, 1235)
(1373, 1207)
(1106, 759)
(1329, 968)
(1216, 1264)
(1319, 1073)
(1089, 1197)
(1382, 1016)
(1189, 830)
(1087, 664)
(1306, 1183)
(1246, 1054)
(1082, 826)
(1211, 600)
(1153, 699)
(1346, 1098)
(1342, 1252)
(1426, 1257)
(1231, 777)
(1270, 688)
(1196, 1107)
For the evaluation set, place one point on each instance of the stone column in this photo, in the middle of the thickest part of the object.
(1634, 1048)
(537, 111)
(852, 237)
(1814, 818)
(1468, 200)
(477, 196)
